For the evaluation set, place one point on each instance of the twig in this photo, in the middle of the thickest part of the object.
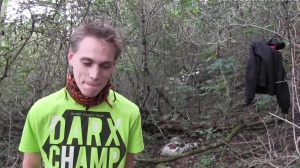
(155, 122)
(284, 120)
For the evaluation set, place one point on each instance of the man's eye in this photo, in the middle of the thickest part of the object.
(87, 63)
(105, 66)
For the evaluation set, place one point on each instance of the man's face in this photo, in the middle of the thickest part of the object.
(93, 64)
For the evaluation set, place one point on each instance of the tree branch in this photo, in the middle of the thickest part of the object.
(7, 62)
(4, 75)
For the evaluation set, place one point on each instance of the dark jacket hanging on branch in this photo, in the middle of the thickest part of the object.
(265, 73)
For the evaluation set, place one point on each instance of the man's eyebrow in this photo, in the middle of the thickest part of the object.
(106, 62)
(87, 59)
(91, 60)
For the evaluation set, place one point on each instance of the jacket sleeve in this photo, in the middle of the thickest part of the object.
(281, 86)
(251, 76)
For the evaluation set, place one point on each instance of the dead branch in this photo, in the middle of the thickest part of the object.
(236, 130)
(179, 126)
(4, 75)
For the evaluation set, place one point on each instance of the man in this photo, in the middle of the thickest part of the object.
(85, 124)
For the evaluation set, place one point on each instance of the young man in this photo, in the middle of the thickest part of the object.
(85, 124)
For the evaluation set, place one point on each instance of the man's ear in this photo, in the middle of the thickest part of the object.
(70, 56)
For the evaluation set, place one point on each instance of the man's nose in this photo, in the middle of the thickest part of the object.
(94, 73)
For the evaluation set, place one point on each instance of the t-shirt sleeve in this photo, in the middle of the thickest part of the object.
(135, 143)
(29, 142)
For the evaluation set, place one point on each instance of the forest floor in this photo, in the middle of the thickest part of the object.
(264, 145)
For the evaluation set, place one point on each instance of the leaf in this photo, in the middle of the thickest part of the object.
(5, 2)
(201, 132)
(209, 130)
(193, 134)
(270, 27)
(196, 10)
(4, 48)
(166, 25)
(177, 13)
(208, 136)
(218, 134)
(208, 59)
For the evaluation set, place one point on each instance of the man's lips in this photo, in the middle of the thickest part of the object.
(93, 84)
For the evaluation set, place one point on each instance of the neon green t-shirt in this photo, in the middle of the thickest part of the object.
(69, 136)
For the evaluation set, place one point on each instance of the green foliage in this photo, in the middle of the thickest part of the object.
(270, 27)
(196, 10)
(211, 86)
(185, 90)
(209, 133)
(204, 162)
(124, 65)
(4, 48)
(181, 93)
(250, 31)
(223, 71)
(5, 2)
(263, 100)
(227, 64)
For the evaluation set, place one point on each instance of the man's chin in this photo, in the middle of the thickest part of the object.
(90, 94)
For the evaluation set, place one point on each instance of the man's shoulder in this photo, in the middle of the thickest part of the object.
(122, 100)
(53, 96)
(50, 99)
